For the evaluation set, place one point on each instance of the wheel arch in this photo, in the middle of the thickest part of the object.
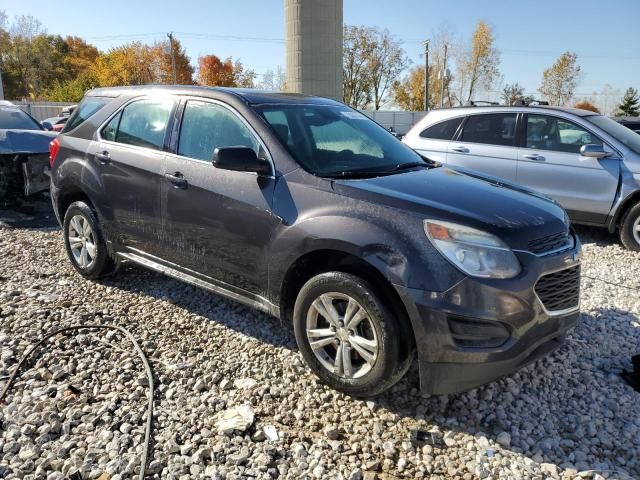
(626, 205)
(326, 260)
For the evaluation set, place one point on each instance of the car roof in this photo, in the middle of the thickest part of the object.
(468, 110)
(249, 95)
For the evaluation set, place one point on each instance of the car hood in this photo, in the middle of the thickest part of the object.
(514, 214)
(25, 141)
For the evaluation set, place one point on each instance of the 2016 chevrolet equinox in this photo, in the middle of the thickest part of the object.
(306, 209)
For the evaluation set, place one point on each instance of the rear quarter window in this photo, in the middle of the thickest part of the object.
(87, 108)
(442, 130)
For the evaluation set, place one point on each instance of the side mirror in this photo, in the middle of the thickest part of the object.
(47, 126)
(593, 151)
(240, 159)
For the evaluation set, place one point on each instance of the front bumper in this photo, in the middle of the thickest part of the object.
(482, 329)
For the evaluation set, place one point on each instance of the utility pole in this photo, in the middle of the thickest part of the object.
(173, 57)
(1, 89)
(444, 76)
(426, 75)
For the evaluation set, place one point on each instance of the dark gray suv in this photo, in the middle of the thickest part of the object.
(306, 209)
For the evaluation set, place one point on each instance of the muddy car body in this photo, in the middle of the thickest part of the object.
(260, 218)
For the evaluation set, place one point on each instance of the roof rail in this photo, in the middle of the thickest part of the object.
(478, 103)
(526, 102)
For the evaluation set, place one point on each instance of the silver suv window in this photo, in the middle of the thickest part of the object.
(491, 129)
(545, 132)
(443, 130)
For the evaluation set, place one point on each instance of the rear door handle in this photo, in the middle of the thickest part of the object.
(177, 179)
(535, 156)
(103, 157)
(460, 149)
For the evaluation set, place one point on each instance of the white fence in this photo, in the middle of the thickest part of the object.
(400, 121)
(42, 110)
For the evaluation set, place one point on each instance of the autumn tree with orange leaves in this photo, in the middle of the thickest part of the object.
(214, 72)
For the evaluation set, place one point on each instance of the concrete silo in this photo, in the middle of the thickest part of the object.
(313, 33)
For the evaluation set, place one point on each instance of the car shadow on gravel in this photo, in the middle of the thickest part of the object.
(208, 305)
(34, 213)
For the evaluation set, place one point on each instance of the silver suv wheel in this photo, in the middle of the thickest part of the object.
(342, 335)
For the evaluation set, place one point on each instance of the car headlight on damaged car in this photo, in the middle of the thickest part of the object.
(476, 253)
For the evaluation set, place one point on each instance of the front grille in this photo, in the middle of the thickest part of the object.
(551, 243)
(560, 290)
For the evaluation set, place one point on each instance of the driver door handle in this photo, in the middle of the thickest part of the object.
(103, 157)
(460, 149)
(534, 156)
(177, 179)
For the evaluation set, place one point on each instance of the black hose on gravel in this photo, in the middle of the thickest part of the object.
(147, 434)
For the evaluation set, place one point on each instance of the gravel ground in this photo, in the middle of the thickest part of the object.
(78, 409)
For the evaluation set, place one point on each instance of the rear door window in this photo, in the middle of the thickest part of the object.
(443, 130)
(545, 132)
(491, 129)
(142, 123)
(87, 108)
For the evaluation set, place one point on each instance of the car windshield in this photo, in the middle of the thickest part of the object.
(621, 133)
(16, 119)
(335, 141)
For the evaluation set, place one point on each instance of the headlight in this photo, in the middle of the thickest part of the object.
(476, 253)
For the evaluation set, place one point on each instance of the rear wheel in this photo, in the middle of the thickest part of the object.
(630, 229)
(349, 338)
(84, 243)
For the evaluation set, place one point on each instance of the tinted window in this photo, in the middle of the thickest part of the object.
(14, 118)
(144, 123)
(207, 126)
(337, 141)
(552, 133)
(443, 130)
(110, 130)
(493, 129)
(86, 109)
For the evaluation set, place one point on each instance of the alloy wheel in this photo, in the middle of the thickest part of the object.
(342, 335)
(635, 228)
(82, 242)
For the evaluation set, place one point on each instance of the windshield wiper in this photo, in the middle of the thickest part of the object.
(376, 172)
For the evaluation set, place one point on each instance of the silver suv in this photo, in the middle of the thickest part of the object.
(587, 162)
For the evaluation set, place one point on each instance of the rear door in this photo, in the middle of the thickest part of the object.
(218, 222)
(130, 155)
(549, 162)
(486, 143)
(433, 141)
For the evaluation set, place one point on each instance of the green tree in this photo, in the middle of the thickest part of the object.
(559, 81)
(630, 105)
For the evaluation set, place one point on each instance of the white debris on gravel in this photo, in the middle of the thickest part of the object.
(79, 405)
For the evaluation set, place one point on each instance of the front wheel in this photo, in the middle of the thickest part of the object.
(630, 229)
(348, 337)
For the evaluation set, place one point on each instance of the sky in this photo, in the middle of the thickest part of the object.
(529, 34)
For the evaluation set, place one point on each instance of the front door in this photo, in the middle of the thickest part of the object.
(218, 222)
(130, 159)
(486, 144)
(550, 162)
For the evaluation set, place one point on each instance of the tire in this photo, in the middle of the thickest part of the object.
(373, 369)
(630, 229)
(77, 241)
